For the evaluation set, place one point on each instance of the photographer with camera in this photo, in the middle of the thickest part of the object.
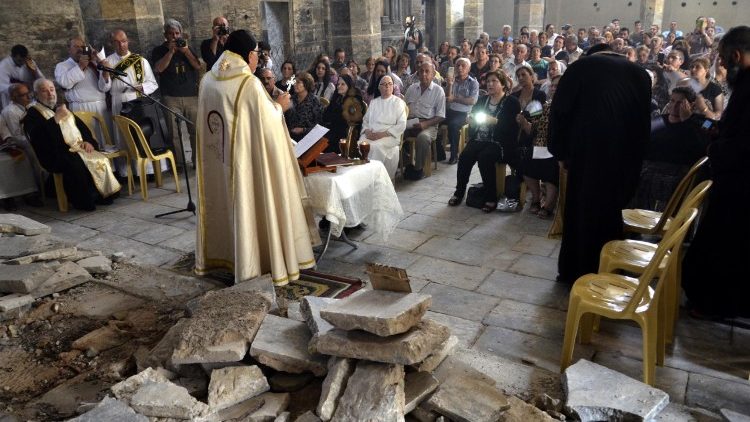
(699, 40)
(18, 67)
(212, 48)
(177, 66)
(84, 85)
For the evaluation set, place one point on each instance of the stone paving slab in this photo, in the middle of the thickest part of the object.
(533, 319)
(672, 381)
(111, 409)
(233, 385)
(453, 250)
(467, 331)
(71, 232)
(23, 278)
(526, 289)
(435, 226)
(137, 252)
(595, 393)
(281, 343)
(535, 266)
(417, 386)
(19, 224)
(405, 240)
(403, 349)
(536, 245)
(310, 307)
(714, 393)
(14, 301)
(339, 371)
(158, 234)
(50, 255)
(375, 392)
(379, 312)
(466, 399)
(15, 246)
(527, 348)
(458, 302)
(732, 416)
(448, 273)
(370, 253)
(184, 242)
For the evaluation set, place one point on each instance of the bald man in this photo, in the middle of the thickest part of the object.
(212, 48)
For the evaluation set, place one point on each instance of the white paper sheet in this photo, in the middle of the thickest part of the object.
(541, 153)
(309, 140)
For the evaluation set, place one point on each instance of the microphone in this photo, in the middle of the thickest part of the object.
(110, 70)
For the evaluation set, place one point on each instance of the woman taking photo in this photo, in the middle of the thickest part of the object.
(333, 119)
(306, 109)
(493, 138)
(383, 124)
(324, 88)
(287, 71)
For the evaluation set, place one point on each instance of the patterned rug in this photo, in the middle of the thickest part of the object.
(310, 283)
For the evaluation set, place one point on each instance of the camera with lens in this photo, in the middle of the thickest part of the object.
(180, 42)
(223, 30)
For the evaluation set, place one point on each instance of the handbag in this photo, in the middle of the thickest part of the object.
(475, 196)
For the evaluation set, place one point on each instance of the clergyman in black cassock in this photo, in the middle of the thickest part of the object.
(599, 127)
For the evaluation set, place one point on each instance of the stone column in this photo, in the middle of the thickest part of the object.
(142, 20)
(307, 26)
(652, 12)
(473, 18)
(529, 13)
(366, 33)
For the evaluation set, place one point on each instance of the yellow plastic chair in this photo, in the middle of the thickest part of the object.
(618, 296)
(128, 128)
(109, 149)
(653, 222)
(634, 256)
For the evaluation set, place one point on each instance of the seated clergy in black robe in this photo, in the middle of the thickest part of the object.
(599, 127)
(64, 144)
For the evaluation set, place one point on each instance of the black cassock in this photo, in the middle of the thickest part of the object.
(599, 126)
(54, 155)
(715, 272)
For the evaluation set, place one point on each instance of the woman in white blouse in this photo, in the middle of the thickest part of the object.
(383, 124)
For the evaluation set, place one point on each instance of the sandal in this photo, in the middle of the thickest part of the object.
(535, 207)
(545, 214)
(489, 207)
(455, 200)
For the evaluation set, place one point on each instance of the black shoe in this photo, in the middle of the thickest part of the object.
(453, 160)
(440, 157)
(9, 204)
(413, 174)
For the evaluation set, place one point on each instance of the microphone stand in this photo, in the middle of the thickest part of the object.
(190, 207)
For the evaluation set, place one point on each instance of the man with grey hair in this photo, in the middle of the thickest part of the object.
(426, 101)
(177, 65)
(572, 48)
(461, 94)
(520, 54)
(506, 36)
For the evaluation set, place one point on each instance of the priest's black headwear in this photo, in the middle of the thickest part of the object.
(241, 42)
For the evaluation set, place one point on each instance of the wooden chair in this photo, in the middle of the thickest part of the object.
(621, 297)
(653, 222)
(109, 149)
(634, 256)
(130, 131)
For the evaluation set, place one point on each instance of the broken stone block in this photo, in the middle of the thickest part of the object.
(310, 307)
(307, 417)
(14, 301)
(15, 246)
(466, 399)
(67, 276)
(403, 349)
(520, 411)
(423, 415)
(282, 382)
(103, 338)
(23, 278)
(43, 256)
(417, 386)
(83, 254)
(197, 387)
(283, 417)
(732, 416)
(237, 412)
(167, 400)
(597, 393)
(675, 412)
(233, 385)
(375, 392)
(15, 223)
(96, 264)
(124, 390)
(380, 312)
(339, 371)
(273, 405)
(110, 409)
(281, 343)
(223, 326)
(434, 360)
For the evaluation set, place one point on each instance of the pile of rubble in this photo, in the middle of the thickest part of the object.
(33, 264)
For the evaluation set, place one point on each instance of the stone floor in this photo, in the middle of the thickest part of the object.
(490, 276)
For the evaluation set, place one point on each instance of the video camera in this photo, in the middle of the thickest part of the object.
(223, 30)
(180, 42)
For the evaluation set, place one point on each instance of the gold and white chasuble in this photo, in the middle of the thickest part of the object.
(251, 218)
(96, 163)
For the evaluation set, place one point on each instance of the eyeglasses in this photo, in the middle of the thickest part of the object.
(387, 84)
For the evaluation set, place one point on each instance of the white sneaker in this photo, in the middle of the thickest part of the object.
(507, 205)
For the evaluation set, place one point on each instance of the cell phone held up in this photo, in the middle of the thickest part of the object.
(451, 72)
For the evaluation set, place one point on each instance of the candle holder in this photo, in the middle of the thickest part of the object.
(364, 150)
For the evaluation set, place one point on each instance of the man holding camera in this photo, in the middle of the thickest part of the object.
(84, 85)
(212, 48)
(699, 41)
(177, 66)
(17, 68)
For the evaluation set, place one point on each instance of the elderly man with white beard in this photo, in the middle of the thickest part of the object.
(64, 144)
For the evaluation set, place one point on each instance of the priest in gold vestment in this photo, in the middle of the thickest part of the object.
(251, 218)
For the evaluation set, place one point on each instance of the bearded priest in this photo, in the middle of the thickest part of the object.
(64, 144)
(251, 218)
